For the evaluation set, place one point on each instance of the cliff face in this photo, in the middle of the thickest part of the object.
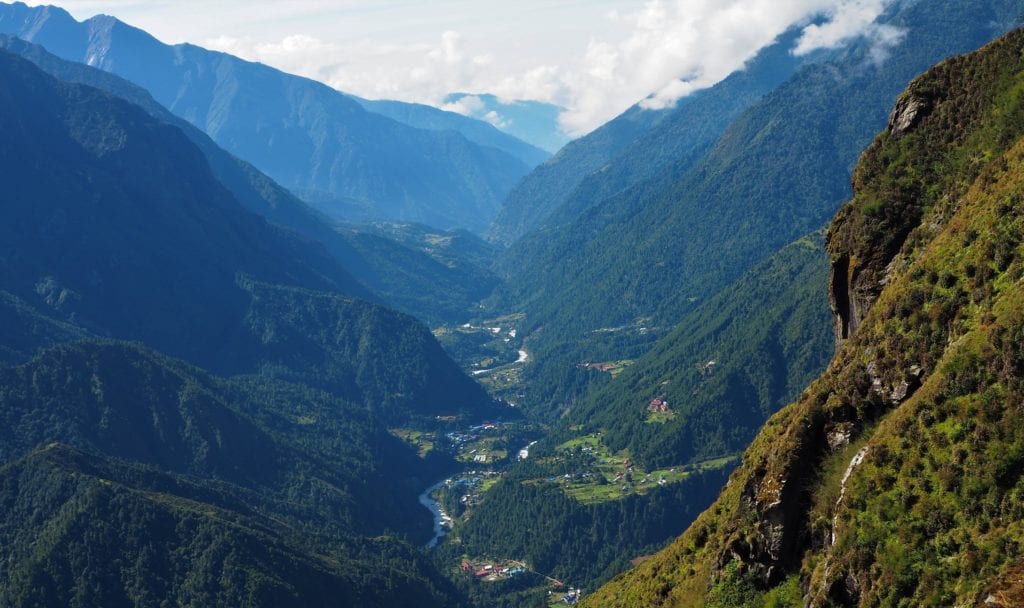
(897, 475)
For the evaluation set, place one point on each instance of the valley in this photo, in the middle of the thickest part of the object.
(269, 343)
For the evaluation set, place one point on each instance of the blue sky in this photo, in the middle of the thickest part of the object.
(594, 57)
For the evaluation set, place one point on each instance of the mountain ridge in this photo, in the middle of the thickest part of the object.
(895, 477)
(310, 138)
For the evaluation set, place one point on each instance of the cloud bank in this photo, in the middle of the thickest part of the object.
(594, 57)
(655, 54)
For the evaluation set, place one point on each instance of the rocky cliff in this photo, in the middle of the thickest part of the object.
(896, 477)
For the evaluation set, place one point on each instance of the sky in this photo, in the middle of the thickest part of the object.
(596, 58)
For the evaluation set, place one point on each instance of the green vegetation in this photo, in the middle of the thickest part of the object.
(128, 477)
(633, 147)
(896, 478)
(727, 367)
(437, 277)
(421, 441)
(79, 530)
(526, 517)
(614, 368)
(587, 471)
(664, 244)
(274, 507)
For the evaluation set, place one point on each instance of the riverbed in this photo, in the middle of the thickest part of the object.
(440, 517)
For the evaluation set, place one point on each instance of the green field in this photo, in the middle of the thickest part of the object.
(660, 417)
(492, 447)
(423, 442)
(607, 476)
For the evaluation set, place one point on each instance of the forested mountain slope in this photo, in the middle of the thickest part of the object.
(350, 163)
(725, 369)
(631, 148)
(896, 478)
(645, 258)
(403, 277)
(144, 479)
(127, 477)
(720, 374)
(115, 223)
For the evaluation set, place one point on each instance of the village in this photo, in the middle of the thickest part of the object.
(491, 571)
(590, 473)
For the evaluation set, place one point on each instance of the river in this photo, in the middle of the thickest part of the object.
(440, 517)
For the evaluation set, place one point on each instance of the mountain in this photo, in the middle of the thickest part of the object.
(123, 401)
(24, 329)
(645, 257)
(350, 163)
(634, 147)
(725, 368)
(531, 121)
(896, 477)
(547, 186)
(154, 480)
(722, 372)
(407, 278)
(116, 224)
(477, 131)
(269, 478)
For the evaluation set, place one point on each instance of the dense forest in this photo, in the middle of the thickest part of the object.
(268, 476)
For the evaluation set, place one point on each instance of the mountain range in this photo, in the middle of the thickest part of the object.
(256, 465)
(350, 163)
(434, 287)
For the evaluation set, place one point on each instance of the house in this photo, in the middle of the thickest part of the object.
(658, 406)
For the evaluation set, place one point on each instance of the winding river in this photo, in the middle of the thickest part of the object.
(435, 509)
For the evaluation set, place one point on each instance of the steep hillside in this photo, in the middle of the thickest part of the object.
(632, 148)
(24, 329)
(725, 369)
(115, 223)
(649, 255)
(352, 164)
(543, 189)
(83, 531)
(896, 478)
(404, 277)
(738, 359)
(125, 402)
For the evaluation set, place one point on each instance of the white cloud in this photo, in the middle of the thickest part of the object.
(595, 57)
(846, 21)
(468, 105)
(497, 119)
(676, 47)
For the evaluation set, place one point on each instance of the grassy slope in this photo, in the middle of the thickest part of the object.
(932, 516)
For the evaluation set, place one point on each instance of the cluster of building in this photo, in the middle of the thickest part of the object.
(573, 597)
(658, 405)
(493, 572)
